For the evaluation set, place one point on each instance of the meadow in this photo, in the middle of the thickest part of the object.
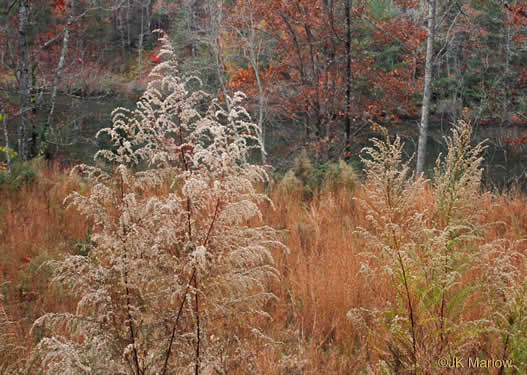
(330, 315)
(175, 254)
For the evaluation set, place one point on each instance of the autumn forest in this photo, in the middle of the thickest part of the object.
(263, 187)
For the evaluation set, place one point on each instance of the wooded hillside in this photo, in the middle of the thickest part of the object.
(319, 74)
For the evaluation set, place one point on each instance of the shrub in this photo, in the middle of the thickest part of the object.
(290, 184)
(303, 168)
(307, 175)
(4, 178)
(25, 177)
(175, 275)
(340, 176)
(23, 173)
(12, 154)
(436, 262)
(308, 180)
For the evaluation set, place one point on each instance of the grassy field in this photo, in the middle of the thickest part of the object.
(430, 285)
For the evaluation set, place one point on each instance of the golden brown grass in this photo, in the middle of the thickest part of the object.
(320, 279)
(35, 227)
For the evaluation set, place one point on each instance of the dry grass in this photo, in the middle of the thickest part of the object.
(35, 227)
(320, 279)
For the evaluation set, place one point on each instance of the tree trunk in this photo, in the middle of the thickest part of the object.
(128, 24)
(216, 7)
(220, 71)
(302, 71)
(60, 66)
(23, 129)
(314, 80)
(6, 135)
(141, 38)
(148, 21)
(347, 127)
(507, 76)
(427, 93)
(261, 98)
(261, 104)
(192, 27)
(123, 43)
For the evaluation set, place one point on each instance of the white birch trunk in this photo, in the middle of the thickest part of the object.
(60, 67)
(427, 92)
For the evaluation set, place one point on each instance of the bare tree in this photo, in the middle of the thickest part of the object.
(145, 8)
(348, 75)
(213, 40)
(6, 135)
(427, 92)
(23, 138)
(246, 28)
(60, 66)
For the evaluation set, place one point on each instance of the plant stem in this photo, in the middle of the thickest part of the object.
(127, 291)
(196, 299)
(504, 357)
(174, 328)
(410, 309)
(131, 327)
(218, 202)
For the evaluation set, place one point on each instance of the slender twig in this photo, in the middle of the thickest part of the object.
(196, 300)
(174, 327)
(410, 305)
(131, 327)
(218, 202)
(443, 302)
(186, 167)
(127, 292)
(408, 296)
(193, 275)
(410, 309)
(504, 356)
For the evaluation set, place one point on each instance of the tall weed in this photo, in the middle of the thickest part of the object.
(178, 267)
(434, 258)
